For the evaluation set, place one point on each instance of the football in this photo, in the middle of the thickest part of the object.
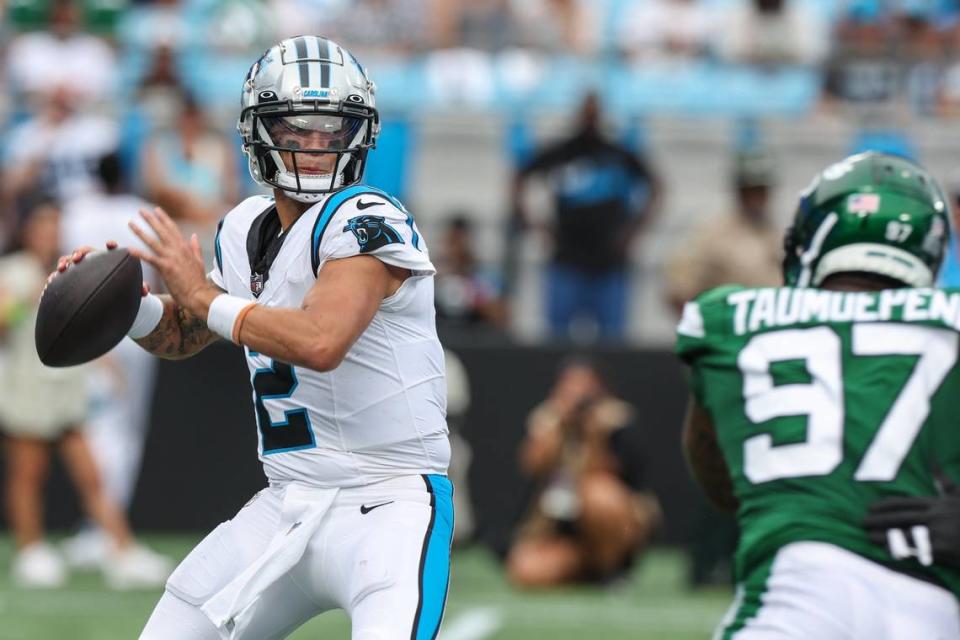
(86, 310)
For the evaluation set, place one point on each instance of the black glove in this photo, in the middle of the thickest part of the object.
(927, 529)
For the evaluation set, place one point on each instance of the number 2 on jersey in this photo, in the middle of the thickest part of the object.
(294, 431)
(822, 400)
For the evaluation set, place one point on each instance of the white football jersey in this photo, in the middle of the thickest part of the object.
(382, 412)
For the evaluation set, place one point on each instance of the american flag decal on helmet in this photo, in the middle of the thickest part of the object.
(863, 203)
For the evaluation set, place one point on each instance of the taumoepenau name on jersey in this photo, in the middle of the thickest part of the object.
(757, 309)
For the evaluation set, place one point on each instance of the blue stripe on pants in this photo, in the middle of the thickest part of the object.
(435, 560)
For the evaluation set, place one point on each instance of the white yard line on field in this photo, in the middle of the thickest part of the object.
(472, 624)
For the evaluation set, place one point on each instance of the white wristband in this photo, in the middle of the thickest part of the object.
(223, 314)
(148, 317)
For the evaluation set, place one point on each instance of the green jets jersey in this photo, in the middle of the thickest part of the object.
(824, 402)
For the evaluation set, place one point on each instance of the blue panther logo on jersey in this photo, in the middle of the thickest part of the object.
(372, 232)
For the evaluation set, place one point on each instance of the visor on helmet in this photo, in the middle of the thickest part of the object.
(312, 131)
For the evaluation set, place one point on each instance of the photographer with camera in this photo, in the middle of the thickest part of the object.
(590, 517)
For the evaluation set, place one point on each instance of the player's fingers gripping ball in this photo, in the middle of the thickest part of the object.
(179, 261)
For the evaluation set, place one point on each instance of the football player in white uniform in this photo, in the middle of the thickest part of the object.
(328, 287)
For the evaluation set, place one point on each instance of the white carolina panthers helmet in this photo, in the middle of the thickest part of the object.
(308, 118)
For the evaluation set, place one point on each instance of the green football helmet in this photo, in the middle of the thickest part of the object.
(869, 213)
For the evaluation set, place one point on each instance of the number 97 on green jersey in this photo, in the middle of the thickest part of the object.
(824, 401)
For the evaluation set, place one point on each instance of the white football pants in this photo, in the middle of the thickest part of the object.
(380, 552)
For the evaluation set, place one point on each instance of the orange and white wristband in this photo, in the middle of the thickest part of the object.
(226, 315)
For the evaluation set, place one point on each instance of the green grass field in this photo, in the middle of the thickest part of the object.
(652, 605)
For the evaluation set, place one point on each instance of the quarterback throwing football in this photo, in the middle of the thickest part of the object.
(328, 288)
(812, 401)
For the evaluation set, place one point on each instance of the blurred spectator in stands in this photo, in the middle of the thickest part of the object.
(379, 28)
(121, 383)
(559, 27)
(220, 32)
(191, 170)
(43, 408)
(590, 516)
(234, 27)
(667, 30)
(603, 195)
(465, 295)
(99, 16)
(56, 151)
(468, 34)
(924, 61)
(161, 73)
(290, 16)
(161, 91)
(154, 107)
(773, 32)
(864, 76)
(738, 248)
(62, 56)
(479, 25)
(158, 23)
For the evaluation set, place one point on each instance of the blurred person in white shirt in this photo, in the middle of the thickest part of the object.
(667, 30)
(556, 26)
(63, 56)
(56, 150)
(773, 32)
(42, 410)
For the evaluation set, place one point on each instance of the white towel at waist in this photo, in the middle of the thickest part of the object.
(303, 511)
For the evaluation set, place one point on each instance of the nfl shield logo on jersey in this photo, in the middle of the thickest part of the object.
(256, 284)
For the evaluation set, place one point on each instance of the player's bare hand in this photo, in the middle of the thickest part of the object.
(73, 258)
(178, 260)
(67, 261)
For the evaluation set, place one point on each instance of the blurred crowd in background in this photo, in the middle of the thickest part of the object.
(155, 83)
(107, 106)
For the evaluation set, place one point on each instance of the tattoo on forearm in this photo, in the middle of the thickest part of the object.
(179, 334)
